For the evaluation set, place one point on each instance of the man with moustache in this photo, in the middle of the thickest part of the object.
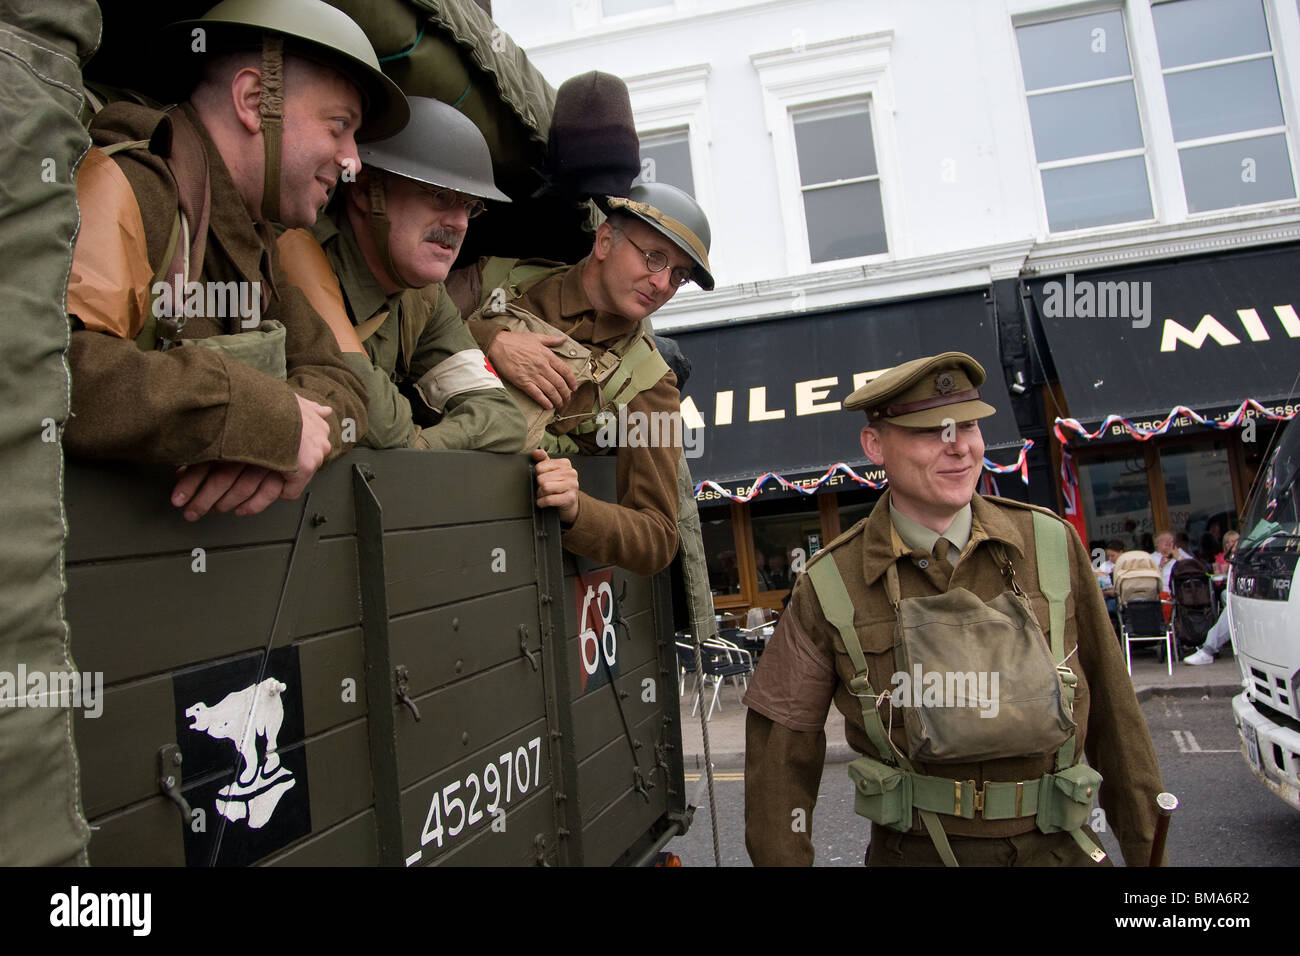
(249, 410)
(959, 579)
(388, 241)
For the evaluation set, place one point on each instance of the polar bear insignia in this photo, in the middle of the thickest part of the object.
(243, 717)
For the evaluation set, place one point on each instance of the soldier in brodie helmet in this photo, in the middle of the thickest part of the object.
(897, 619)
(390, 239)
(654, 240)
(189, 347)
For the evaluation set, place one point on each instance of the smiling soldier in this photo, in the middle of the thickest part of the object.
(250, 409)
(389, 240)
(655, 240)
(942, 581)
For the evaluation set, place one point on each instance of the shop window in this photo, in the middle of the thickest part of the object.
(666, 158)
(840, 182)
(785, 533)
(1224, 104)
(1116, 501)
(1198, 491)
(1084, 115)
(720, 550)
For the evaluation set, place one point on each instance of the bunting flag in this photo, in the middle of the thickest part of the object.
(1179, 411)
(1021, 464)
(1070, 492)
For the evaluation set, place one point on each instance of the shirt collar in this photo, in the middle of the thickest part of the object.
(920, 538)
(884, 543)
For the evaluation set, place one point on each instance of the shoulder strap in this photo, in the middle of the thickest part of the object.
(1053, 576)
(640, 367)
(837, 606)
(504, 272)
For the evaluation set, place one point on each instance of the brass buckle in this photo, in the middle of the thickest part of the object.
(977, 799)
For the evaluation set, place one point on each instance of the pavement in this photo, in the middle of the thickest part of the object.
(727, 727)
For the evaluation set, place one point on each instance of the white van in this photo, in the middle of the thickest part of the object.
(1265, 620)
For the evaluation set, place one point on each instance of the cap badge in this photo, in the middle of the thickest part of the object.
(945, 383)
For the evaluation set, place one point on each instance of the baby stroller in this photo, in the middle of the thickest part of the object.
(1141, 613)
(1193, 603)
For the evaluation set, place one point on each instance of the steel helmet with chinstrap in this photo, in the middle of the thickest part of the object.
(441, 147)
(676, 215)
(315, 30)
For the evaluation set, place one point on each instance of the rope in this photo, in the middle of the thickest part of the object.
(708, 756)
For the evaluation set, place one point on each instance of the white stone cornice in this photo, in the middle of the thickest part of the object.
(843, 287)
(1123, 247)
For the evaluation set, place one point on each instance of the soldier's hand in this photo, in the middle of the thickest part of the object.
(225, 486)
(313, 445)
(525, 359)
(557, 485)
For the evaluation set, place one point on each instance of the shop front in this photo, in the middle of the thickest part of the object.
(1173, 378)
(778, 464)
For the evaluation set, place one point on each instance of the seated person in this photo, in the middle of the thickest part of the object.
(388, 241)
(1165, 555)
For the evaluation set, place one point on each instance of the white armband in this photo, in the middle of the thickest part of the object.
(465, 371)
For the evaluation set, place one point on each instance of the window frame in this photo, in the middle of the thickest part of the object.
(1163, 165)
(831, 110)
(825, 75)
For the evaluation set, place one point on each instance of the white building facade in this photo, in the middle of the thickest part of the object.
(1100, 196)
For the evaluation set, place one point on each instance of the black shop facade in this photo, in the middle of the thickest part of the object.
(778, 466)
(1166, 382)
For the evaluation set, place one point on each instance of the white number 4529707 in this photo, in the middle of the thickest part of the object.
(510, 772)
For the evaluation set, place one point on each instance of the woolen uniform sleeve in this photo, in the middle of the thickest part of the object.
(640, 532)
(179, 407)
(789, 698)
(315, 365)
(482, 419)
(389, 413)
(1118, 742)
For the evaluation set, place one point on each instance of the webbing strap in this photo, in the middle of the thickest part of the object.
(1053, 576)
(503, 272)
(1054, 584)
(838, 608)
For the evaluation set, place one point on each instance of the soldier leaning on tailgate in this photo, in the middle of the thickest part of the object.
(990, 602)
(373, 268)
(590, 316)
(189, 347)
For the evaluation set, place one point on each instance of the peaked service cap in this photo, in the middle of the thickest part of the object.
(925, 392)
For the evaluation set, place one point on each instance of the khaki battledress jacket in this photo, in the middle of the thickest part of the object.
(482, 419)
(640, 532)
(190, 405)
(806, 666)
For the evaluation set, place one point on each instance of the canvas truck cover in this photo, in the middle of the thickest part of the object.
(40, 819)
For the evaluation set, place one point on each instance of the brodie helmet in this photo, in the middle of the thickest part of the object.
(315, 30)
(675, 214)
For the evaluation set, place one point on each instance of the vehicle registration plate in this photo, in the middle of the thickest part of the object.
(1252, 744)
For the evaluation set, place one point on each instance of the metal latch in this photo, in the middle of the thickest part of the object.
(523, 646)
(169, 778)
(403, 677)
